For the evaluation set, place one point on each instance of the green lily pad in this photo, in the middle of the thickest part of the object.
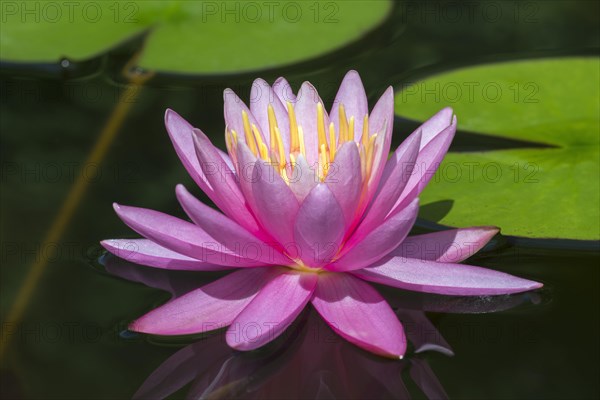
(187, 36)
(48, 31)
(549, 191)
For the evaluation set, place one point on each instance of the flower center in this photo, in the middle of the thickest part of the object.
(328, 146)
(300, 266)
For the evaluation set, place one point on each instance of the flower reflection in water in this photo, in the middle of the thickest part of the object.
(309, 360)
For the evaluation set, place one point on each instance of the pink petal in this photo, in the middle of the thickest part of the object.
(381, 122)
(319, 227)
(306, 116)
(146, 252)
(395, 176)
(453, 245)
(259, 100)
(284, 91)
(435, 125)
(363, 251)
(181, 132)
(228, 196)
(233, 107)
(302, 179)
(210, 307)
(227, 159)
(261, 96)
(275, 307)
(344, 179)
(352, 95)
(444, 278)
(427, 163)
(359, 314)
(276, 204)
(246, 172)
(180, 236)
(227, 232)
(249, 175)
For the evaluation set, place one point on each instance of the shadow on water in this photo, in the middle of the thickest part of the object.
(309, 360)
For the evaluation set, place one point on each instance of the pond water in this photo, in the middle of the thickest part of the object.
(65, 305)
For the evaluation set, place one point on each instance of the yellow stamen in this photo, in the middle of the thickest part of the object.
(323, 163)
(272, 127)
(273, 159)
(284, 176)
(264, 152)
(321, 126)
(332, 144)
(365, 131)
(370, 152)
(229, 143)
(294, 139)
(281, 151)
(363, 163)
(301, 140)
(327, 147)
(228, 140)
(248, 133)
(343, 124)
(258, 139)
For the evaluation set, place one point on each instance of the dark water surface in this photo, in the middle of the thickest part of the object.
(71, 342)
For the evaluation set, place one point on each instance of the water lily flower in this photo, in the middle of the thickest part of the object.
(312, 210)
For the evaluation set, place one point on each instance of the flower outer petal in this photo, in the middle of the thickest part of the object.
(180, 131)
(345, 180)
(233, 107)
(302, 179)
(452, 245)
(444, 278)
(227, 231)
(360, 252)
(180, 236)
(435, 125)
(146, 252)
(230, 198)
(381, 121)
(306, 116)
(274, 308)
(261, 96)
(352, 96)
(284, 91)
(428, 161)
(319, 227)
(276, 205)
(358, 313)
(210, 307)
(396, 175)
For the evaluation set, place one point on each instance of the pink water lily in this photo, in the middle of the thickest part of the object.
(312, 210)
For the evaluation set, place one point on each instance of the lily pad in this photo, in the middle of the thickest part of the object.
(48, 31)
(187, 36)
(547, 190)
